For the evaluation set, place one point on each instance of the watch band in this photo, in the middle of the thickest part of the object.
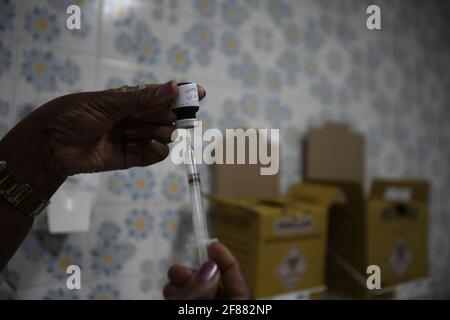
(17, 192)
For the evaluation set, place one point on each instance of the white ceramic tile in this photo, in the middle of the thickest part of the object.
(113, 73)
(53, 292)
(128, 32)
(126, 288)
(123, 240)
(8, 24)
(44, 22)
(43, 72)
(43, 258)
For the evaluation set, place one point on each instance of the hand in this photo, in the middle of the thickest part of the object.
(219, 278)
(91, 132)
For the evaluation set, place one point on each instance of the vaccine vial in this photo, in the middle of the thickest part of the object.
(186, 105)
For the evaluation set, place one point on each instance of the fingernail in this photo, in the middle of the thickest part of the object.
(207, 271)
(164, 90)
(201, 91)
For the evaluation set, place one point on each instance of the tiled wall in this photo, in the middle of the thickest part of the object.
(285, 64)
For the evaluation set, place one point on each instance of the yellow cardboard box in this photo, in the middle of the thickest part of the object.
(280, 245)
(387, 229)
(383, 230)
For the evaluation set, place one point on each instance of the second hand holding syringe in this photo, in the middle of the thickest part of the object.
(185, 108)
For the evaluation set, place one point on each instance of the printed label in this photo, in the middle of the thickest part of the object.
(399, 194)
(289, 225)
(292, 268)
(187, 96)
(400, 258)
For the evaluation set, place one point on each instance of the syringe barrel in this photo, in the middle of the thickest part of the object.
(201, 235)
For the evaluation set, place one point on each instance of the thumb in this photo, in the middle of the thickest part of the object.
(204, 285)
(136, 100)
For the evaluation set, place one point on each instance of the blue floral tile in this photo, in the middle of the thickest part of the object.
(5, 58)
(234, 13)
(205, 8)
(146, 285)
(114, 75)
(201, 36)
(313, 35)
(5, 110)
(6, 91)
(263, 38)
(335, 61)
(124, 239)
(246, 71)
(175, 224)
(142, 183)
(279, 10)
(249, 105)
(323, 90)
(44, 21)
(135, 288)
(43, 258)
(49, 72)
(140, 223)
(230, 43)
(289, 63)
(174, 187)
(290, 171)
(105, 291)
(133, 36)
(69, 255)
(179, 58)
(108, 232)
(145, 46)
(291, 137)
(144, 77)
(42, 24)
(230, 117)
(274, 81)
(108, 259)
(8, 16)
(61, 294)
(292, 34)
(276, 112)
(117, 182)
(52, 292)
(4, 127)
(40, 69)
(147, 266)
(207, 121)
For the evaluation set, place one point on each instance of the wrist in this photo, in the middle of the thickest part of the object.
(31, 162)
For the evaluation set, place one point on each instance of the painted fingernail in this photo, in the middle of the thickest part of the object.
(207, 271)
(164, 90)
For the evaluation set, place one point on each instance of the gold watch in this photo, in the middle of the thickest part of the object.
(17, 192)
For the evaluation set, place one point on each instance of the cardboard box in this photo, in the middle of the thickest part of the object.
(244, 180)
(280, 245)
(388, 229)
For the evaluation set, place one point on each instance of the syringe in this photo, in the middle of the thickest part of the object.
(186, 107)
(201, 235)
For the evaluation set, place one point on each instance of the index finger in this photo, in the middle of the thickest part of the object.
(151, 117)
(233, 280)
(200, 89)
